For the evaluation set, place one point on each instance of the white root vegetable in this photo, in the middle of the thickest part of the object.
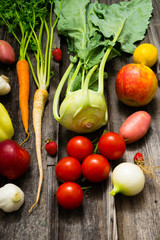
(11, 197)
(128, 179)
(4, 85)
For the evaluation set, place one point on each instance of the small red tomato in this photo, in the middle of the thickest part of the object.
(51, 147)
(95, 168)
(68, 169)
(69, 195)
(57, 54)
(112, 145)
(138, 158)
(79, 147)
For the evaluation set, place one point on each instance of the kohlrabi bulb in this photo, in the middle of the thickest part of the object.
(82, 116)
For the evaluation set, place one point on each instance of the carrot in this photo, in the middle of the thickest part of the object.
(40, 98)
(23, 79)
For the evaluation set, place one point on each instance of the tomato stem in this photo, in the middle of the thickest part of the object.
(96, 147)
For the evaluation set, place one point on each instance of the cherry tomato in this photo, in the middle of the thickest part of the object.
(69, 195)
(79, 147)
(111, 145)
(95, 168)
(68, 169)
(138, 158)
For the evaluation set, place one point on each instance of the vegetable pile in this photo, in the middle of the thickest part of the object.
(93, 40)
(30, 20)
(86, 165)
(20, 22)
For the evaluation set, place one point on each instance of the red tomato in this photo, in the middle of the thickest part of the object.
(111, 145)
(138, 158)
(68, 169)
(79, 147)
(70, 195)
(95, 168)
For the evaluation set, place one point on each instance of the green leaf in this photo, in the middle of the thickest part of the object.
(126, 22)
(72, 22)
(82, 36)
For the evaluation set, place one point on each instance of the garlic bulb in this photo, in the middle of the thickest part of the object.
(4, 85)
(11, 197)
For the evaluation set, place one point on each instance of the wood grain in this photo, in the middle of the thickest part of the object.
(101, 216)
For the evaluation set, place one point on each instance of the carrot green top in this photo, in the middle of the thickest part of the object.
(20, 16)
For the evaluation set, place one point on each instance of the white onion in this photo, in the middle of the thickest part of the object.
(11, 197)
(128, 179)
(4, 85)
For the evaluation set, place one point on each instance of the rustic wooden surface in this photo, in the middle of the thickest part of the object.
(100, 216)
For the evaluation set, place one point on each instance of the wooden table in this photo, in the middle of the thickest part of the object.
(101, 216)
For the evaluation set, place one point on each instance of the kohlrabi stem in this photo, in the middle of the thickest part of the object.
(73, 77)
(58, 91)
(83, 78)
(88, 77)
(101, 70)
(104, 59)
(85, 86)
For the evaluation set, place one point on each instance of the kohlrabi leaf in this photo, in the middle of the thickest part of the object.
(126, 22)
(82, 36)
(72, 22)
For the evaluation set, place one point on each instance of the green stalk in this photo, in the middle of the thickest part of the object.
(101, 70)
(86, 101)
(8, 25)
(39, 57)
(104, 59)
(49, 50)
(52, 26)
(74, 76)
(29, 37)
(114, 191)
(89, 75)
(44, 62)
(47, 58)
(83, 78)
(32, 70)
(59, 89)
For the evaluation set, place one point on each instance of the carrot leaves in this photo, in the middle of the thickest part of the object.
(43, 51)
(19, 16)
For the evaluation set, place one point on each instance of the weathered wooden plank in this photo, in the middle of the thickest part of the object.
(137, 216)
(101, 216)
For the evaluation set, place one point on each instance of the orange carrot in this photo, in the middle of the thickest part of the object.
(40, 98)
(23, 79)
